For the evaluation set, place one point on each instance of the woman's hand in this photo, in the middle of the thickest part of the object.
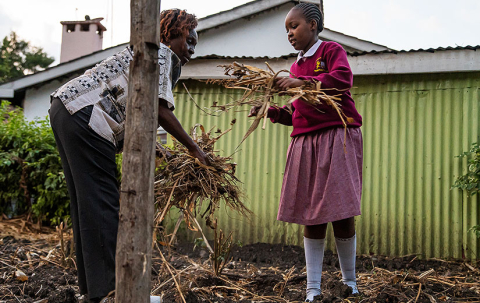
(170, 123)
(198, 153)
(286, 83)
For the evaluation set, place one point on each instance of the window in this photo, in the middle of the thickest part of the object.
(163, 138)
(161, 135)
(85, 27)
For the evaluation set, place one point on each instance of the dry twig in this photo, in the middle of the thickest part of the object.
(182, 181)
(260, 89)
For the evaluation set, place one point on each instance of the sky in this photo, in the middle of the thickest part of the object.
(406, 24)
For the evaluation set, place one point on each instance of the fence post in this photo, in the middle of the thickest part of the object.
(134, 242)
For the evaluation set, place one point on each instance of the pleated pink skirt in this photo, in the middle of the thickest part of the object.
(322, 183)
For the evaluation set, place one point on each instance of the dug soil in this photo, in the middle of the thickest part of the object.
(255, 273)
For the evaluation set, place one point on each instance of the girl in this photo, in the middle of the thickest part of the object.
(87, 116)
(322, 182)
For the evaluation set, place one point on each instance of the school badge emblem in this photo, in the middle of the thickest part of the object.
(320, 66)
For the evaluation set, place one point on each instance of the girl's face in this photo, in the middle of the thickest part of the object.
(184, 46)
(301, 34)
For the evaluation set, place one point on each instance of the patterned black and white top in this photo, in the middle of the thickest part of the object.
(105, 86)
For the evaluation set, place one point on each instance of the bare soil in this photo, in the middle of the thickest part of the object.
(256, 273)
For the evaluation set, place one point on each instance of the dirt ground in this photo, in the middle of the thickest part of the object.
(256, 273)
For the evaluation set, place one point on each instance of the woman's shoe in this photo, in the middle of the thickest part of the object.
(155, 299)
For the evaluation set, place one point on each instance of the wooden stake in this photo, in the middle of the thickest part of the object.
(134, 242)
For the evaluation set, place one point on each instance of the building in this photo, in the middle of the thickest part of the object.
(234, 33)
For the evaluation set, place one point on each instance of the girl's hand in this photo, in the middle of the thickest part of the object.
(286, 83)
(254, 111)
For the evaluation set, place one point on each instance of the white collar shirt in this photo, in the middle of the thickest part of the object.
(310, 52)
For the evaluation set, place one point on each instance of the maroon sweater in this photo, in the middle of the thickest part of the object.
(330, 66)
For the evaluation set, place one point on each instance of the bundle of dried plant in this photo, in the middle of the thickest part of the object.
(259, 86)
(183, 181)
(221, 255)
(66, 251)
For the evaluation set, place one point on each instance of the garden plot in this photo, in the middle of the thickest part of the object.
(253, 273)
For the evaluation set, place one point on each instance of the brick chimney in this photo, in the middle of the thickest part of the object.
(80, 38)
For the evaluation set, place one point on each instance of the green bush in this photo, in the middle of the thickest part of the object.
(119, 160)
(31, 176)
(470, 182)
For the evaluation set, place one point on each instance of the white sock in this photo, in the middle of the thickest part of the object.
(314, 258)
(346, 250)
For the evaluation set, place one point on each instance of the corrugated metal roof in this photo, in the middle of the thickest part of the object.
(242, 11)
(324, 36)
(254, 8)
(390, 51)
(236, 8)
(244, 57)
(428, 50)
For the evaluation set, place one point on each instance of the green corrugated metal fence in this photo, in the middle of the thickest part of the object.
(414, 126)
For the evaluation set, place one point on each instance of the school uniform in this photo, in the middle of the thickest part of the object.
(87, 115)
(322, 182)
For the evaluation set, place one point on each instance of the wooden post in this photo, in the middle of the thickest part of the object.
(134, 242)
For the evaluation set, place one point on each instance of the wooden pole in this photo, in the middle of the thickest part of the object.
(134, 242)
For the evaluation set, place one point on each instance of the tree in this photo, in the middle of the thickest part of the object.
(18, 58)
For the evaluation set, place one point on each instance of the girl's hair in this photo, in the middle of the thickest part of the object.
(311, 12)
(175, 23)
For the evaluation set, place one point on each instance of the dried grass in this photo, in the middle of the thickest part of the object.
(259, 86)
(244, 281)
(432, 280)
(182, 181)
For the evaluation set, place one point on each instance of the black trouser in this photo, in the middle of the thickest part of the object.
(88, 161)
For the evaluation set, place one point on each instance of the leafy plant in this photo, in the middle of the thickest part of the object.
(31, 175)
(119, 160)
(476, 230)
(470, 182)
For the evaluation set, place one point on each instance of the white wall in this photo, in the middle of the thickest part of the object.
(37, 99)
(261, 34)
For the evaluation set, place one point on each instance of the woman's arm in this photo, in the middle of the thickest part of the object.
(170, 123)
